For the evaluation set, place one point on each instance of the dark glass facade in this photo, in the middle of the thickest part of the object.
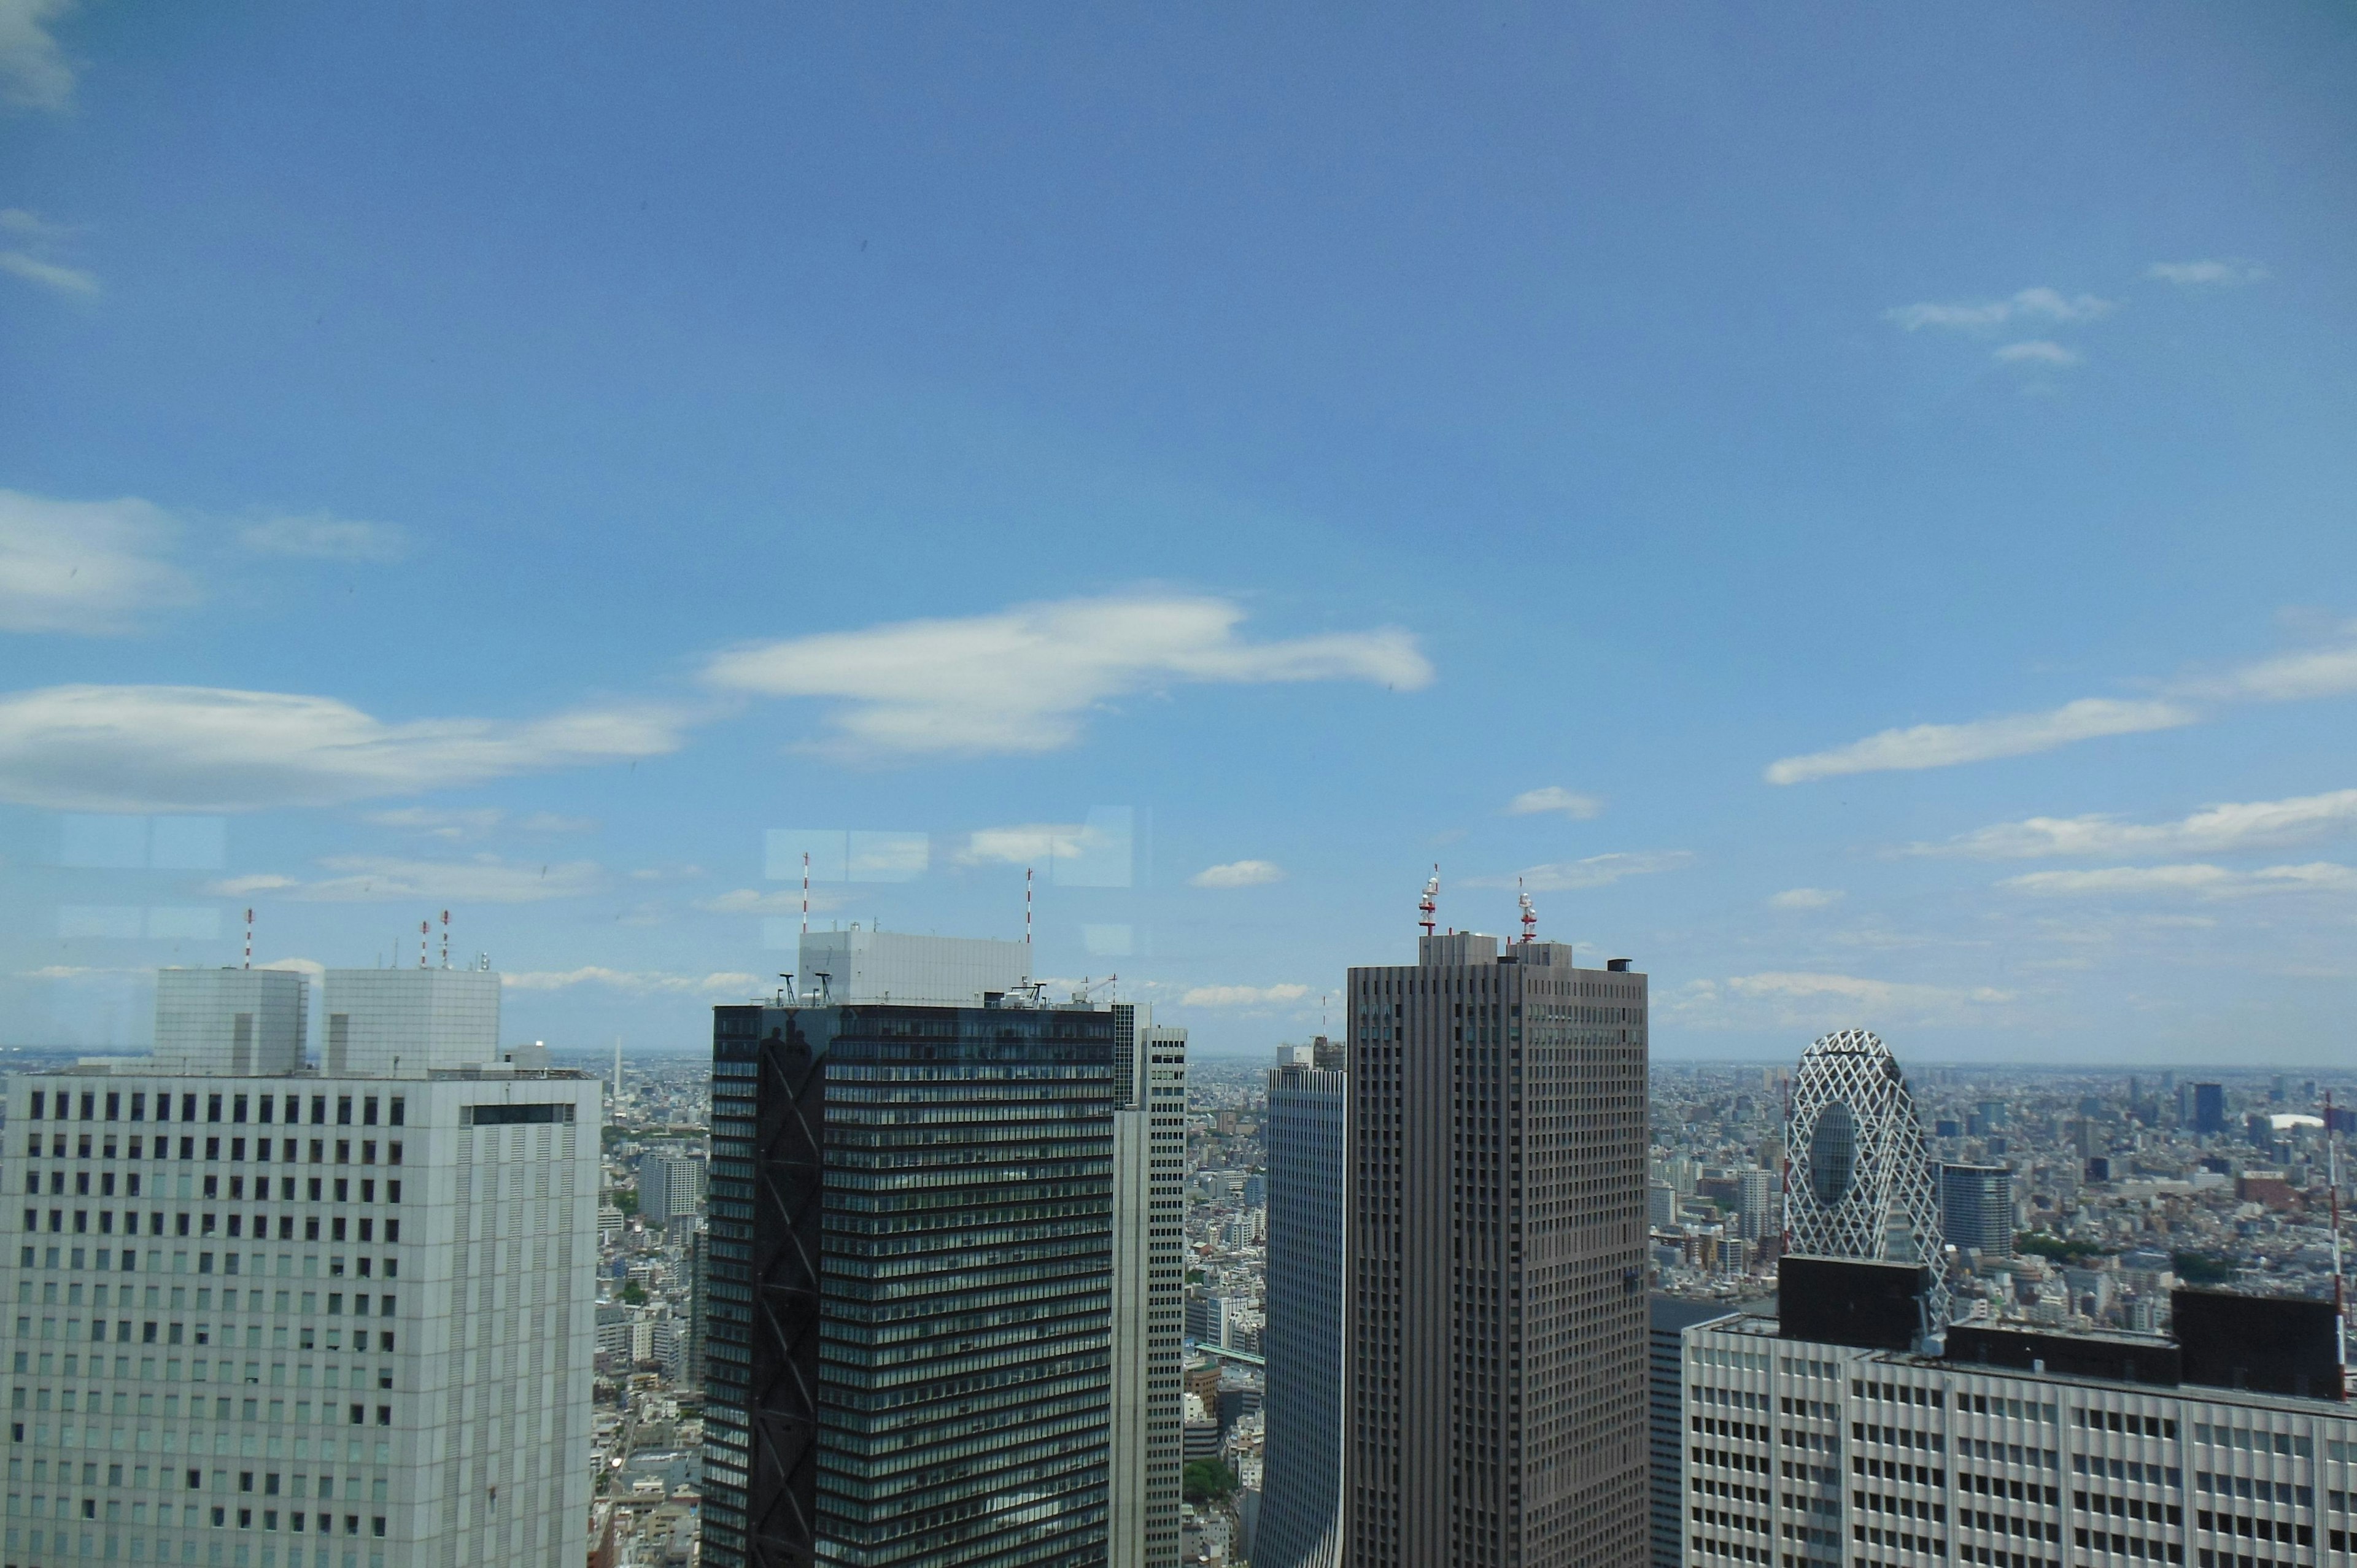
(909, 1303)
(1301, 1489)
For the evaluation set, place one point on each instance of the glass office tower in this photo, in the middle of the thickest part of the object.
(913, 1242)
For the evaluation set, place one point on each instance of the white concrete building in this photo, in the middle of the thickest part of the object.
(900, 966)
(1798, 1454)
(302, 1319)
(1149, 1296)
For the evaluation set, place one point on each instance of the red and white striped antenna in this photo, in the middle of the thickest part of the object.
(425, 930)
(445, 938)
(249, 939)
(1429, 905)
(1530, 915)
(806, 893)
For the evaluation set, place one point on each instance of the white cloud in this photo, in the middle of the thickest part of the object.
(1803, 1000)
(1807, 898)
(2037, 351)
(1023, 680)
(320, 537)
(1554, 798)
(2197, 880)
(750, 901)
(2213, 830)
(2209, 273)
(2326, 671)
(48, 274)
(1032, 844)
(1241, 995)
(259, 881)
(451, 825)
(33, 72)
(553, 823)
(85, 566)
(1595, 870)
(1239, 874)
(198, 748)
(2329, 670)
(639, 982)
(2014, 734)
(309, 966)
(376, 879)
(2030, 303)
(29, 225)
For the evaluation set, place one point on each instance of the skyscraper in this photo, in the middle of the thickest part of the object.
(911, 1330)
(2209, 1107)
(1496, 1252)
(1861, 1185)
(671, 1187)
(1976, 1209)
(1301, 1489)
(306, 1302)
(1755, 1203)
(1148, 1444)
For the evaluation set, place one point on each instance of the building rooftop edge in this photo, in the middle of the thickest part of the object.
(1768, 1326)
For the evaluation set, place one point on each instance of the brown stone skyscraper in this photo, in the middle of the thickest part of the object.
(1496, 1251)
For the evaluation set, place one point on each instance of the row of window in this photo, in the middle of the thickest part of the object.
(290, 1150)
(25, 1360)
(148, 1330)
(247, 1481)
(193, 1517)
(58, 1106)
(337, 1230)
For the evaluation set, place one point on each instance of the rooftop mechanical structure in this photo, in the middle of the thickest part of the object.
(1860, 1183)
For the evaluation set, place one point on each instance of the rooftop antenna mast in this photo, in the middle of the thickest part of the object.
(1429, 905)
(425, 930)
(805, 895)
(1027, 919)
(1530, 915)
(249, 939)
(445, 938)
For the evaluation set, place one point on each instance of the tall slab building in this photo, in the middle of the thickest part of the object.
(292, 1319)
(1498, 1326)
(1301, 1487)
(1149, 1298)
(918, 1348)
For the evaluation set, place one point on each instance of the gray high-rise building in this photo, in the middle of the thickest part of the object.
(671, 1187)
(1976, 1209)
(1496, 1251)
(911, 1325)
(1301, 1487)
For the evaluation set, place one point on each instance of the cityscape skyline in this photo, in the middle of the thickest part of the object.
(2074, 1215)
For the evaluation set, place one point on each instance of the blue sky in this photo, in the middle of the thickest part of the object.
(1852, 507)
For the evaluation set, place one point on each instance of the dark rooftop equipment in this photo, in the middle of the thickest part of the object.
(2266, 1344)
(2153, 1362)
(1846, 1301)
